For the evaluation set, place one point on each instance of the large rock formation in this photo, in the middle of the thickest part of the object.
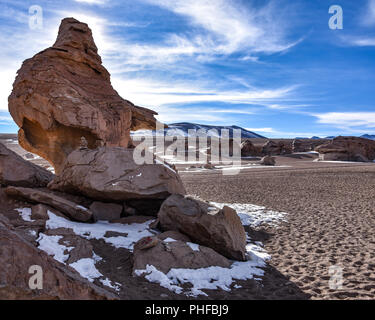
(16, 171)
(219, 229)
(64, 93)
(348, 149)
(111, 174)
(249, 150)
(272, 148)
(59, 281)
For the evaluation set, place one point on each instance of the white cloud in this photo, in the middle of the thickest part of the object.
(231, 27)
(347, 120)
(360, 41)
(369, 17)
(92, 1)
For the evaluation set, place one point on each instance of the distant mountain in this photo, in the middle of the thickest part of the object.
(368, 136)
(181, 129)
(330, 137)
(315, 138)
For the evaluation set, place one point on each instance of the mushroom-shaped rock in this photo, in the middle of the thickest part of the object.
(64, 93)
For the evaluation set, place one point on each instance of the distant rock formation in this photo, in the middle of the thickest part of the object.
(272, 148)
(348, 149)
(64, 93)
(306, 145)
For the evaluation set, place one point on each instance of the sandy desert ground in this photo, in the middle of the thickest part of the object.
(330, 222)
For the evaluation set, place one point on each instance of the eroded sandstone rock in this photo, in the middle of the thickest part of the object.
(268, 161)
(111, 174)
(165, 255)
(67, 207)
(219, 229)
(59, 281)
(16, 171)
(64, 93)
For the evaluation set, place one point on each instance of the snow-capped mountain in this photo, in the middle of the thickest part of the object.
(368, 136)
(182, 129)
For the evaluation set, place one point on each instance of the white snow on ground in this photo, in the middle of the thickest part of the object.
(253, 215)
(211, 277)
(349, 162)
(51, 246)
(135, 231)
(25, 214)
(230, 167)
(193, 246)
(108, 283)
(86, 268)
(219, 277)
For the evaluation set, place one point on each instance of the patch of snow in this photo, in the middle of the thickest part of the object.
(51, 246)
(82, 208)
(86, 268)
(108, 283)
(25, 214)
(193, 246)
(169, 240)
(134, 231)
(253, 215)
(32, 232)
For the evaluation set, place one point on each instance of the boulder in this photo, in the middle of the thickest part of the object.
(64, 93)
(106, 211)
(219, 229)
(249, 150)
(348, 149)
(165, 255)
(272, 148)
(111, 174)
(59, 281)
(67, 207)
(268, 161)
(16, 171)
(40, 212)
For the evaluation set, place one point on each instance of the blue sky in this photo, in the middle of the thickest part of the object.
(274, 67)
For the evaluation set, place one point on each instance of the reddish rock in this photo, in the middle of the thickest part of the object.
(64, 93)
(272, 148)
(111, 174)
(67, 207)
(219, 229)
(16, 171)
(268, 161)
(59, 281)
(176, 254)
(106, 211)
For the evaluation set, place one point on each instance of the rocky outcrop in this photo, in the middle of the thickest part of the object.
(111, 174)
(59, 281)
(268, 161)
(106, 211)
(169, 253)
(64, 93)
(16, 171)
(306, 145)
(249, 150)
(272, 148)
(219, 229)
(348, 149)
(67, 207)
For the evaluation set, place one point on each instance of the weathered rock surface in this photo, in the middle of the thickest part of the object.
(272, 148)
(306, 145)
(69, 208)
(348, 149)
(59, 281)
(249, 150)
(64, 93)
(268, 161)
(111, 174)
(175, 254)
(219, 229)
(16, 171)
(106, 211)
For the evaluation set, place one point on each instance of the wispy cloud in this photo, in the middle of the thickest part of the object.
(347, 120)
(369, 17)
